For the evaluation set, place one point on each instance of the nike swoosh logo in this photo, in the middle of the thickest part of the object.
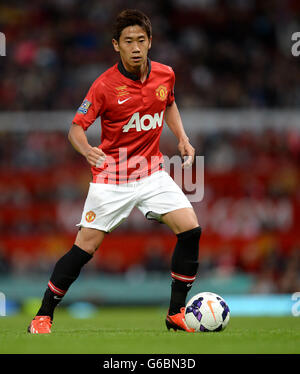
(123, 101)
(209, 302)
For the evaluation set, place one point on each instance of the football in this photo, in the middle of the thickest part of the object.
(206, 312)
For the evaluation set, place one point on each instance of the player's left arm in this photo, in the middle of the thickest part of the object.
(174, 122)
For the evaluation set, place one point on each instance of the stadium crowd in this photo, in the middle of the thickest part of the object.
(249, 212)
(226, 53)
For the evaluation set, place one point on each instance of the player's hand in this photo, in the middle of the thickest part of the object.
(95, 156)
(187, 152)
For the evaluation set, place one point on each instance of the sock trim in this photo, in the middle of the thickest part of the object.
(183, 278)
(56, 290)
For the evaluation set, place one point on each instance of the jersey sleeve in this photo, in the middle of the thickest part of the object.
(171, 95)
(91, 108)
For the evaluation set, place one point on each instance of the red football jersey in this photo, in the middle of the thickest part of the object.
(132, 115)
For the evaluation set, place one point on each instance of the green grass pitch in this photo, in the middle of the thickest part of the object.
(132, 330)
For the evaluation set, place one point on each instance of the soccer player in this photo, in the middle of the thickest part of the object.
(133, 98)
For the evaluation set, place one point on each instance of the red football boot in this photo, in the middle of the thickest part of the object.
(177, 322)
(40, 325)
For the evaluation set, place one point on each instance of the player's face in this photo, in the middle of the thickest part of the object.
(133, 47)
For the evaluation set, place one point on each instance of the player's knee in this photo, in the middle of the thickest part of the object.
(89, 240)
(190, 222)
(89, 248)
(91, 245)
(188, 226)
(191, 234)
(181, 220)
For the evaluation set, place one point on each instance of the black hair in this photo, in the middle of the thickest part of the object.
(131, 17)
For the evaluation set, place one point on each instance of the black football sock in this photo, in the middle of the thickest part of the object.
(66, 271)
(184, 267)
(49, 303)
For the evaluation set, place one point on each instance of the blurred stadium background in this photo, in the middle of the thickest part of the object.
(238, 89)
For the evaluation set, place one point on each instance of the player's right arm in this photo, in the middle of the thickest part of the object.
(90, 109)
(94, 156)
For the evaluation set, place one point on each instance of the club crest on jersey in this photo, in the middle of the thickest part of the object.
(83, 109)
(161, 92)
(90, 216)
(122, 91)
(145, 123)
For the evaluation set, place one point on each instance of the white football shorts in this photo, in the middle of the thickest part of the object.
(108, 205)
